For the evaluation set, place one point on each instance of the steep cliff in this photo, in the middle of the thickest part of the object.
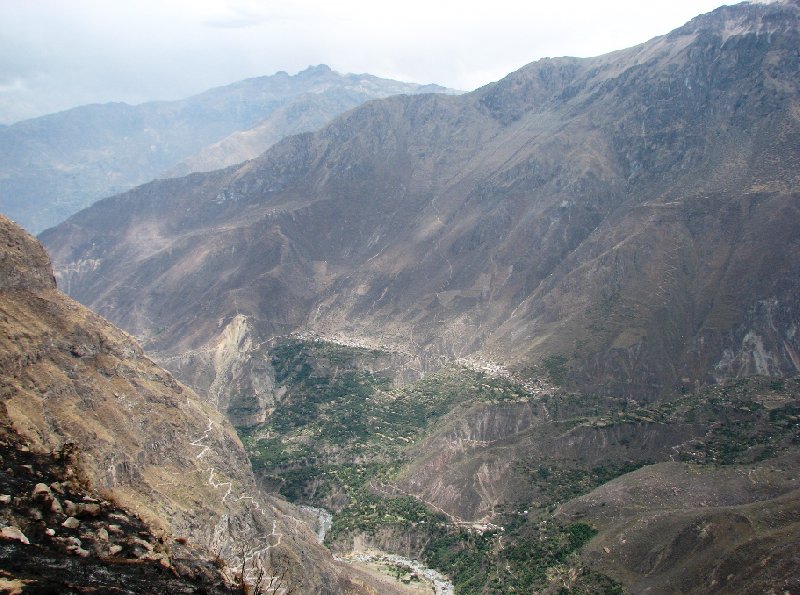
(73, 382)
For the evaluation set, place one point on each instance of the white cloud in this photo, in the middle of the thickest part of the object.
(58, 53)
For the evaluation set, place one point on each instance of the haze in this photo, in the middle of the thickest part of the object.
(58, 54)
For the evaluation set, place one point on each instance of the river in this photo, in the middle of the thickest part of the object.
(441, 584)
(322, 524)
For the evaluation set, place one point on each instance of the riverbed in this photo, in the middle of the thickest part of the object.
(321, 524)
(438, 582)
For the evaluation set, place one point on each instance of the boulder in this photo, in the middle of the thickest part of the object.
(71, 523)
(14, 533)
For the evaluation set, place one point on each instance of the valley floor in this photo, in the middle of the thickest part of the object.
(506, 490)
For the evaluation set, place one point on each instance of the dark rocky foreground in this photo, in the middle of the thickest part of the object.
(58, 536)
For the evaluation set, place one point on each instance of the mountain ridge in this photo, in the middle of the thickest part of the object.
(57, 164)
(558, 212)
(541, 335)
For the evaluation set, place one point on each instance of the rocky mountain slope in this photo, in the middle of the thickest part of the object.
(332, 95)
(53, 166)
(540, 336)
(51, 519)
(631, 218)
(722, 530)
(129, 443)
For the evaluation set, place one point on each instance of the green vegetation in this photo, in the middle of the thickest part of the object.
(556, 367)
(557, 483)
(342, 432)
(368, 513)
(522, 557)
(743, 422)
(336, 411)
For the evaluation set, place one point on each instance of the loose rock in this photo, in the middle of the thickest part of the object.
(141, 542)
(41, 490)
(69, 508)
(79, 509)
(89, 509)
(14, 533)
(71, 523)
(55, 507)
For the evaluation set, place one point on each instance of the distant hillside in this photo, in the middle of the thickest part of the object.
(629, 221)
(55, 165)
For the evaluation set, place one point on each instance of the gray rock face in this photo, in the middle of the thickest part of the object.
(55, 165)
(634, 214)
(71, 523)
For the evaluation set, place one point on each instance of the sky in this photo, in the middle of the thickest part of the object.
(57, 54)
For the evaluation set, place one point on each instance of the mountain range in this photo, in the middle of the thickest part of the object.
(633, 215)
(541, 336)
(55, 165)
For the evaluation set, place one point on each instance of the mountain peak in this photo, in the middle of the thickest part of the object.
(759, 17)
(56, 164)
(318, 70)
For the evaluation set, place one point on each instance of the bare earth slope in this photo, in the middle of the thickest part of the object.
(143, 440)
(635, 214)
(674, 527)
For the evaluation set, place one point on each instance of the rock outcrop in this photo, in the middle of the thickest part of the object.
(52, 519)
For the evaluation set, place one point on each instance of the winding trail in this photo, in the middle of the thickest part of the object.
(273, 539)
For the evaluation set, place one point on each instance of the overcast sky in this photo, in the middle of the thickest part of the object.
(56, 54)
